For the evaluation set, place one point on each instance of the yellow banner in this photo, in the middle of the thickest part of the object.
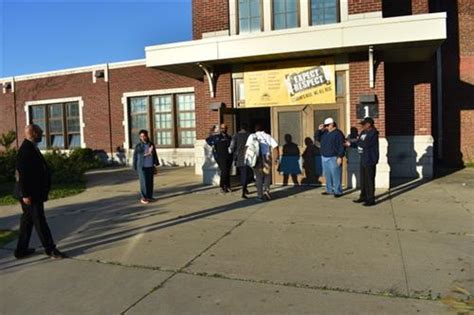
(291, 83)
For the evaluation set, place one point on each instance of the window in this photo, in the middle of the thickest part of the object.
(60, 123)
(285, 14)
(186, 120)
(324, 12)
(249, 16)
(172, 119)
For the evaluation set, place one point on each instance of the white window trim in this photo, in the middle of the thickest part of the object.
(61, 100)
(126, 96)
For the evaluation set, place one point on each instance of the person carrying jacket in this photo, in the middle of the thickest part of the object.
(368, 148)
(238, 149)
(332, 152)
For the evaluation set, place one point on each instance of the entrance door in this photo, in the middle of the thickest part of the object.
(301, 123)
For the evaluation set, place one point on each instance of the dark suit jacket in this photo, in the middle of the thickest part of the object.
(33, 174)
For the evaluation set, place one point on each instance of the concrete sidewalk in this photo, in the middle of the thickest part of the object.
(196, 251)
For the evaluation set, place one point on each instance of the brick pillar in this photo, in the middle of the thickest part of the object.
(7, 113)
(364, 6)
(420, 6)
(359, 84)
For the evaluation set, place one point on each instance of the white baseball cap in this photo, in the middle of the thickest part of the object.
(328, 121)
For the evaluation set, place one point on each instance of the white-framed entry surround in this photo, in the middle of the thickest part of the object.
(77, 99)
(167, 156)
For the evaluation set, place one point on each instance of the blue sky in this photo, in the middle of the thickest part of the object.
(38, 36)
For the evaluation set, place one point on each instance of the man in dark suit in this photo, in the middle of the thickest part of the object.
(32, 189)
(220, 144)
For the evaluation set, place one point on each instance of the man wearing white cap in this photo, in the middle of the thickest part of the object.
(332, 152)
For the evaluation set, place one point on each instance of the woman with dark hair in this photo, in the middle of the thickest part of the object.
(290, 161)
(145, 161)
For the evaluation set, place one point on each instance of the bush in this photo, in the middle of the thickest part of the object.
(64, 170)
(7, 166)
(87, 158)
(7, 139)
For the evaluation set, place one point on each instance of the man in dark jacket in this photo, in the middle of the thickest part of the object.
(238, 148)
(220, 144)
(32, 189)
(332, 152)
(368, 147)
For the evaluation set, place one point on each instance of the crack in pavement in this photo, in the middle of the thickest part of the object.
(181, 269)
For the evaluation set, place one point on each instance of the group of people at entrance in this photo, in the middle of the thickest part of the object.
(255, 153)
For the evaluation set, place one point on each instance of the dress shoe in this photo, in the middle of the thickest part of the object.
(325, 193)
(24, 254)
(56, 254)
(337, 195)
(360, 200)
(244, 196)
(369, 203)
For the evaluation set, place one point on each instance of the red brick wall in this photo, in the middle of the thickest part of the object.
(420, 6)
(205, 118)
(363, 6)
(408, 98)
(209, 16)
(359, 84)
(7, 113)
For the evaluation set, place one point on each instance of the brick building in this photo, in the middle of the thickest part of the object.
(288, 63)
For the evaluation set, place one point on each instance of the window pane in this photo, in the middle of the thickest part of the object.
(187, 120)
(38, 112)
(279, 22)
(162, 104)
(255, 8)
(72, 109)
(135, 138)
(139, 121)
(323, 11)
(40, 123)
(74, 141)
(340, 84)
(292, 20)
(289, 123)
(244, 8)
(57, 141)
(56, 110)
(187, 137)
(186, 102)
(278, 6)
(163, 121)
(55, 125)
(163, 138)
(73, 125)
(244, 26)
(138, 104)
(255, 24)
(291, 6)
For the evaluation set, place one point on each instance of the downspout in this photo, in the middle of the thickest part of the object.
(439, 92)
(107, 80)
(14, 111)
(371, 67)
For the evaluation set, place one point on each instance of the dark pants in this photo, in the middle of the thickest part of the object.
(246, 174)
(145, 175)
(33, 215)
(224, 167)
(367, 182)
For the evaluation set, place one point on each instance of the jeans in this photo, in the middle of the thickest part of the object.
(367, 182)
(332, 173)
(145, 175)
(262, 181)
(33, 215)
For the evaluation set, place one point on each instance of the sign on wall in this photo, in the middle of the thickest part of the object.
(281, 84)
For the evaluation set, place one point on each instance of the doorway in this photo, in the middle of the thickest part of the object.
(299, 124)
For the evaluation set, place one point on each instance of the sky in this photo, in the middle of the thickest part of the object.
(37, 36)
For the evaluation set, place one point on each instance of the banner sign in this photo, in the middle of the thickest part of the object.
(287, 84)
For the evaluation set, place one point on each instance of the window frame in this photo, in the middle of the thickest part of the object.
(64, 123)
(310, 12)
(175, 130)
(178, 128)
(237, 15)
(298, 15)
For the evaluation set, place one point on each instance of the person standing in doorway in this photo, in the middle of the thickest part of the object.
(332, 151)
(368, 148)
(32, 189)
(290, 161)
(220, 145)
(268, 152)
(145, 161)
(237, 148)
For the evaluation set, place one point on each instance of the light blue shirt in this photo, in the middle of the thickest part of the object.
(148, 160)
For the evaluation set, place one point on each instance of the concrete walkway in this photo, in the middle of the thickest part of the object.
(196, 251)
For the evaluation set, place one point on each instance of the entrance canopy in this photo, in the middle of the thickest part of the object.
(406, 38)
